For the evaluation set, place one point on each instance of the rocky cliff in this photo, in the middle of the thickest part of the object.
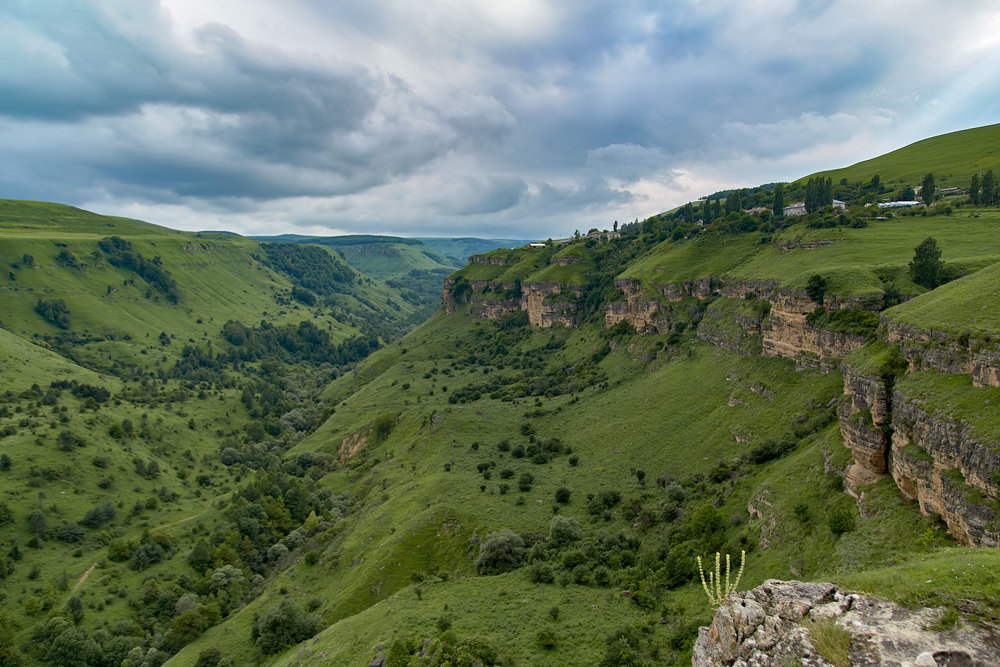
(864, 418)
(939, 462)
(934, 457)
(788, 334)
(547, 304)
(643, 314)
(778, 623)
(977, 356)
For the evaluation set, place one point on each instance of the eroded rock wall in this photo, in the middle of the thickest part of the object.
(977, 356)
(644, 315)
(941, 464)
(788, 334)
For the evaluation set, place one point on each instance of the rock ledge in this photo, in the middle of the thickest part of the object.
(770, 626)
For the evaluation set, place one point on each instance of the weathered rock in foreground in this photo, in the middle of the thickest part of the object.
(770, 625)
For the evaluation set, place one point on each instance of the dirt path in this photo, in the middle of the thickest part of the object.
(79, 582)
(83, 577)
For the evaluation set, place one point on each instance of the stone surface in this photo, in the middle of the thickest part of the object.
(770, 625)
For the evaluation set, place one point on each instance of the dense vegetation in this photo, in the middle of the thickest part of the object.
(262, 471)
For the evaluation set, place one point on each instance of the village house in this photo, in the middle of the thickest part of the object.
(798, 208)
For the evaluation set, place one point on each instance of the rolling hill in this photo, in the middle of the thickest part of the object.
(528, 476)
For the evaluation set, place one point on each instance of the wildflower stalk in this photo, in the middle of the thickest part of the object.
(714, 590)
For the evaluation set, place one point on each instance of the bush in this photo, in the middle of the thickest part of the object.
(500, 552)
(69, 532)
(546, 638)
(563, 530)
(525, 481)
(562, 495)
(541, 573)
(840, 521)
(282, 625)
(147, 554)
(56, 312)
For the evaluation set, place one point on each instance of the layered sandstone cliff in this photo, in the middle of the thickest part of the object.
(939, 462)
(978, 356)
(788, 334)
(643, 314)
(547, 304)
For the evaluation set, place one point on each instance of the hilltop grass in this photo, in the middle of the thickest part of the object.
(857, 262)
(964, 580)
(953, 158)
(968, 305)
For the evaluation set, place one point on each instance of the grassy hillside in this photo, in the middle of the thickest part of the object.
(217, 451)
(146, 372)
(953, 158)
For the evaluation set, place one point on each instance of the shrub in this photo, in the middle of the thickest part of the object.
(147, 554)
(563, 530)
(282, 625)
(69, 532)
(562, 495)
(525, 481)
(500, 552)
(546, 638)
(541, 573)
(840, 521)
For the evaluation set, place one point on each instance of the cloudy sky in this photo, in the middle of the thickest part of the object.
(502, 118)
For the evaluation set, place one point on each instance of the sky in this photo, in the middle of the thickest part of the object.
(504, 119)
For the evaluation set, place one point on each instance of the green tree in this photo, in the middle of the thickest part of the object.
(926, 267)
(564, 530)
(816, 288)
(282, 625)
(927, 189)
(778, 208)
(974, 191)
(500, 552)
(989, 191)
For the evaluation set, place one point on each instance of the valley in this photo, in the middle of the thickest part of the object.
(219, 450)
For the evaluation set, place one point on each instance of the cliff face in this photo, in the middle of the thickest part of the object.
(864, 425)
(642, 314)
(547, 304)
(773, 623)
(787, 333)
(947, 353)
(940, 464)
(936, 461)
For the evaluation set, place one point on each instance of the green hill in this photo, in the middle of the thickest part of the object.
(953, 158)
(527, 477)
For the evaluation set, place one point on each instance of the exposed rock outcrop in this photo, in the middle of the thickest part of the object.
(978, 356)
(787, 333)
(547, 304)
(865, 425)
(940, 464)
(772, 625)
(644, 315)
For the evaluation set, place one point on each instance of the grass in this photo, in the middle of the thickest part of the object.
(687, 434)
(953, 158)
(857, 262)
(954, 399)
(962, 579)
(832, 641)
(968, 305)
